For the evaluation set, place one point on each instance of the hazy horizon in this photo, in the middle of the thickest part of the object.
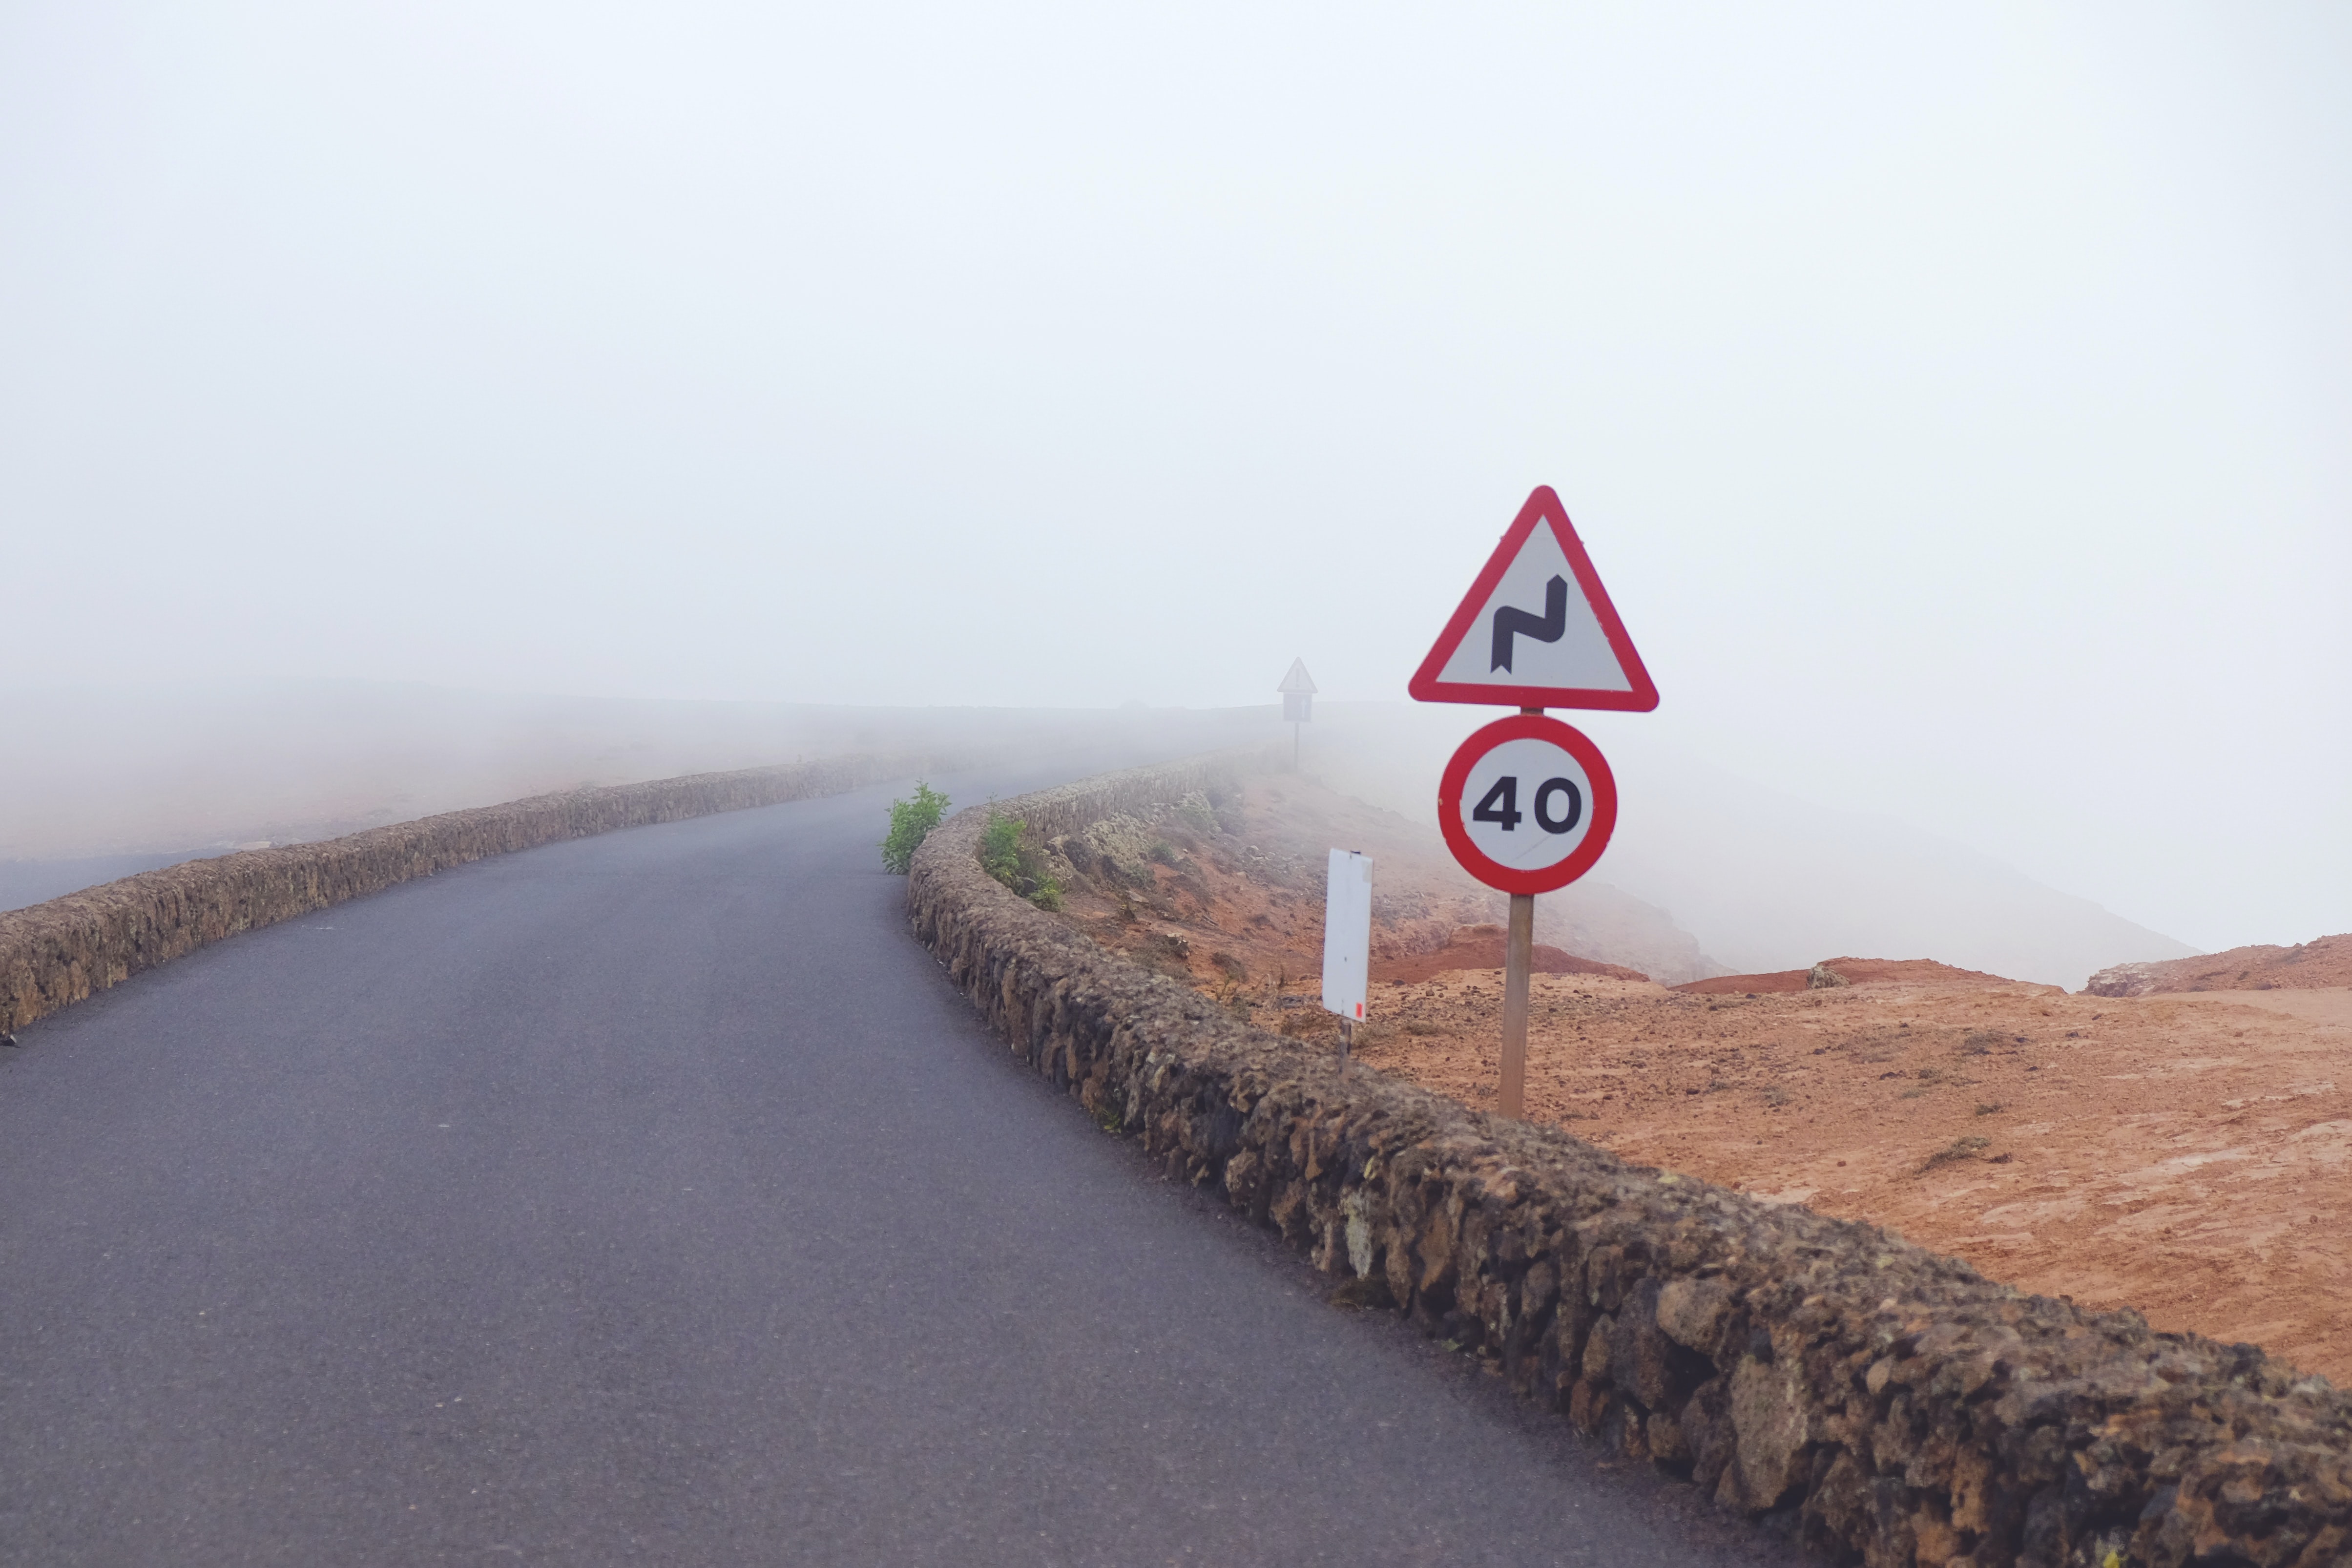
(1754, 878)
(1953, 404)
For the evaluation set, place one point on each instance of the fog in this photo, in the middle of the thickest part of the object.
(128, 780)
(1955, 404)
(1759, 879)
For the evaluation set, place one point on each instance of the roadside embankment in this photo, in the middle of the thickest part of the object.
(56, 954)
(1908, 1410)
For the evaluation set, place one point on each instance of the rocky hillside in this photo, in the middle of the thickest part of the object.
(2322, 963)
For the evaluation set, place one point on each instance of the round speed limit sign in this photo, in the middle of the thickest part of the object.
(1527, 804)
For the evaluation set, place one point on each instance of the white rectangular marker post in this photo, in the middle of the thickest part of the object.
(1347, 940)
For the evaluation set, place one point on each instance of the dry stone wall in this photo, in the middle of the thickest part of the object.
(1899, 1406)
(56, 954)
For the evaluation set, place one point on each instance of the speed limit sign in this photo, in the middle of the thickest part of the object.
(1527, 804)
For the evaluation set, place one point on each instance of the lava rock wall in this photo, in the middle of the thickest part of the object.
(1895, 1406)
(56, 954)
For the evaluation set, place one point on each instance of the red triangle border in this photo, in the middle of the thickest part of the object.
(1543, 506)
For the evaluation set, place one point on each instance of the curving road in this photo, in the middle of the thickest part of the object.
(654, 1199)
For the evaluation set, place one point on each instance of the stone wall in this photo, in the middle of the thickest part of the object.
(56, 954)
(1897, 1406)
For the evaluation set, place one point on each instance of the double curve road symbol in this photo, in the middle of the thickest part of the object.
(1511, 621)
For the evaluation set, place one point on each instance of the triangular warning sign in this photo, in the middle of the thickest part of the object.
(1537, 629)
(1297, 681)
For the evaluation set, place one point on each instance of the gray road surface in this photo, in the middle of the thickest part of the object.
(654, 1199)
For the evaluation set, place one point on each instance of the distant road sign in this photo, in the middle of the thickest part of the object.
(1297, 690)
(1527, 804)
(1536, 628)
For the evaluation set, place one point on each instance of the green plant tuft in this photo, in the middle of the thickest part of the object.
(1023, 866)
(911, 822)
(1000, 846)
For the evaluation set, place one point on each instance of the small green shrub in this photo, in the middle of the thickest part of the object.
(1025, 867)
(911, 822)
(999, 847)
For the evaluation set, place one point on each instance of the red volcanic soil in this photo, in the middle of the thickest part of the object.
(2188, 1155)
(1852, 971)
(1481, 947)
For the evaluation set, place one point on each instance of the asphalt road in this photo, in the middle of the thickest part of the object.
(653, 1198)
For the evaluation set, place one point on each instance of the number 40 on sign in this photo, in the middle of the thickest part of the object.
(1527, 804)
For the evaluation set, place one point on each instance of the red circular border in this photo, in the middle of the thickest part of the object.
(1527, 727)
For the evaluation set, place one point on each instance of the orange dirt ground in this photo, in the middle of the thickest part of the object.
(2190, 1156)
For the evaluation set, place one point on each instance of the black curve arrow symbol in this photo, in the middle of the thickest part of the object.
(1546, 627)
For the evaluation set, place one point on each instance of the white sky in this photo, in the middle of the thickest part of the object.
(1954, 399)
